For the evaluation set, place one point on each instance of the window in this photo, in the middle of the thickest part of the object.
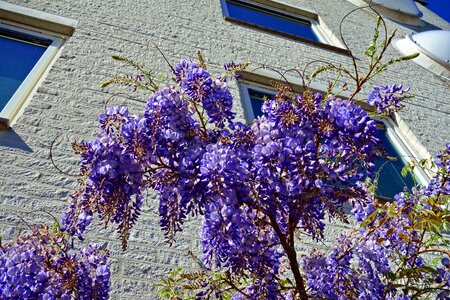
(24, 57)
(278, 19)
(29, 41)
(390, 180)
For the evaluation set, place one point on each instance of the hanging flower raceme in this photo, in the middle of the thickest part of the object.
(213, 94)
(387, 98)
(111, 186)
(255, 185)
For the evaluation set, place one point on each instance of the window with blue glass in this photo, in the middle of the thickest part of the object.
(264, 18)
(390, 179)
(23, 58)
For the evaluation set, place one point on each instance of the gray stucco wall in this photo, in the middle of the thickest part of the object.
(67, 103)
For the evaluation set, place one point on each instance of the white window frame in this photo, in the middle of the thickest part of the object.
(314, 23)
(298, 13)
(15, 103)
(398, 141)
(402, 145)
(245, 98)
(40, 24)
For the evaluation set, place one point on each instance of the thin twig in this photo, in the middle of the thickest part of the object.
(53, 161)
(164, 57)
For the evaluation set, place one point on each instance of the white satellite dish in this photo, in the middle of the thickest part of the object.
(403, 11)
(434, 43)
(434, 49)
(408, 7)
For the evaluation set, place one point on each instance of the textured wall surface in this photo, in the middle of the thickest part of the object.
(68, 100)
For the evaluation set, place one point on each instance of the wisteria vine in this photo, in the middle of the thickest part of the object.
(258, 188)
(254, 185)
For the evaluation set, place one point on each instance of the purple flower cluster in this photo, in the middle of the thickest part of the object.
(111, 167)
(441, 183)
(234, 69)
(213, 94)
(387, 98)
(337, 276)
(255, 186)
(369, 264)
(39, 266)
(306, 156)
(442, 278)
(160, 150)
(231, 237)
(288, 170)
(359, 268)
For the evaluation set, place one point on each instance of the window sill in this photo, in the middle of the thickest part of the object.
(37, 19)
(265, 78)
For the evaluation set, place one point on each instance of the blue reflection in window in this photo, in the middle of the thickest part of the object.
(256, 100)
(267, 18)
(390, 180)
(17, 59)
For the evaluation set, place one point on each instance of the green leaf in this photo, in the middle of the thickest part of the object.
(402, 58)
(118, 57)
(55, 226)
(148, 77)
(369, 219)
(427, 269)
(176, 272)
(423, 162)
(390, 231)
(320, 70)
(405, 170)
(392, 210)
(170, 281)
(201, 60)
(409, 57)
(372, 49)
(382, 221)
(380, 240)
(435, 261)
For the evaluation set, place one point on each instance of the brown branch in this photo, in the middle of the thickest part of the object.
(292, 256)
(434, 250)
(229, 281)
(53, 161)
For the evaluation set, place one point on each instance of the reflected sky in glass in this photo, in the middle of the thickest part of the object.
(17, 58)
(272, 21)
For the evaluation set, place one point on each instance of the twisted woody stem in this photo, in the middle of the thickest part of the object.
(292, 256)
